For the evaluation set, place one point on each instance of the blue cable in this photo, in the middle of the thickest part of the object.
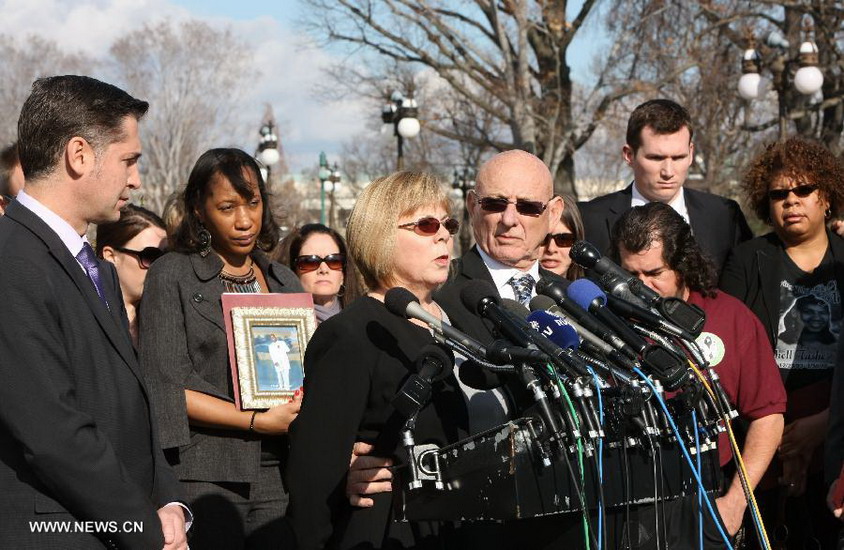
(687, 457)
(600, 455)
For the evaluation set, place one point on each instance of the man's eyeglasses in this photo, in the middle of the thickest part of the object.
(306, 264)
(562, 240)
(145, 257)
(801, 191)
(523, 206)
(430, 225)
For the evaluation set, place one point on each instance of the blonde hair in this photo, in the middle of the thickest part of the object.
(373, 223)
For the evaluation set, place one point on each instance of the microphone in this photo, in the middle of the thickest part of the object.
(482, 298)
(432, 364)
(614, 279)
(646, 317)
(557, 291)
(400, 301)
(554, 328)
(587, 295)
(666, 366)
(622, 284)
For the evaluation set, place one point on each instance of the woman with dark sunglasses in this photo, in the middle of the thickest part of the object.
(228, 460)
(132, 243)
(318, 256)
(557, 244)
(796, 187)
(400, 235)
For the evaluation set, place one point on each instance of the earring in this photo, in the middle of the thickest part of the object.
(827, 213)
(204, 239)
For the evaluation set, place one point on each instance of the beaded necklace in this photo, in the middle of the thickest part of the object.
(241, 283)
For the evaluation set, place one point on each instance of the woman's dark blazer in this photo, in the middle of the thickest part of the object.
(754, 271)
(355, 363)
(182, 346)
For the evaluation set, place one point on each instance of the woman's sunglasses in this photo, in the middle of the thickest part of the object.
(145, 257)
(801, 191)
(523, 206)
(430, 225)
(306, 264)
(562, 240)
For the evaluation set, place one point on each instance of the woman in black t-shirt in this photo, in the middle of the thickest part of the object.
(796, 186)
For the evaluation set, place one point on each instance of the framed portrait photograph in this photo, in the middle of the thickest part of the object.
(268, 346)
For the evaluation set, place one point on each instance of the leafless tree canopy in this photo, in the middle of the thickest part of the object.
(505, 79)
(23, 62)
(193, 75)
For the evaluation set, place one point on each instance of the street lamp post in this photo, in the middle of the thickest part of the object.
(267, 152)
(807, 78)
(464, 181)
(334, 179)
(401, 113)
(324, 175)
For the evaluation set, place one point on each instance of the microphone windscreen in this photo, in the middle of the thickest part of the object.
(475, 292)
(554, 288)
(397, 299)
(583, 292)
(541, 303)
(584, 254)
(554, 328)
(515, 308)
(436, 358)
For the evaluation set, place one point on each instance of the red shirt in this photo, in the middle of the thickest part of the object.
(734, 341)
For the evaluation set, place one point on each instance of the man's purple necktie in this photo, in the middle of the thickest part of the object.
(88, 260)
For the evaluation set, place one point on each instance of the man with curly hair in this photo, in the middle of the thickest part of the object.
(654, 243)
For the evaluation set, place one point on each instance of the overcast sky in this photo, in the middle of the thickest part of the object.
(291, 65)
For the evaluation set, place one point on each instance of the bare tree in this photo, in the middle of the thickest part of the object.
(23, 62)
(193, 75)
(503, 62)
(707, 54)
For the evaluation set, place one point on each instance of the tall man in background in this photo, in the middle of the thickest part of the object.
(77, 442)
(660, 151)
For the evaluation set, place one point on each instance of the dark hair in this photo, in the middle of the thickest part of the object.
(574, 221)
(230, 164)
(663, 116)
(291, 245)
(801, 160)
(133, 220)
(641, 226)
(62, 107)
(8, 160)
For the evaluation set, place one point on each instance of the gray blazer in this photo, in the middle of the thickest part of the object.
(182, 345)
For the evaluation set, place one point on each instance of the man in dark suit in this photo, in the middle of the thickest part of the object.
(660, 151)
(80, 462)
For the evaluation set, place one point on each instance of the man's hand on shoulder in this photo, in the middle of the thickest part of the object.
(172, 519)
(367, 475)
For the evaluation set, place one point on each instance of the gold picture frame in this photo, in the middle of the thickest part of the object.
(269, 345)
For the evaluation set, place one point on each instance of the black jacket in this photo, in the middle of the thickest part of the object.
(355, 363)
(718, 223)
(77, 437)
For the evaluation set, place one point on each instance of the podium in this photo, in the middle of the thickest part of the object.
(498, 475)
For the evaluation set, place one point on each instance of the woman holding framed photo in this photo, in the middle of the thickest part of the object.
(229, 461)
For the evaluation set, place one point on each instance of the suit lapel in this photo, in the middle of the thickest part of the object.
(697, 217)
(206, 296)
(474, 267)
(619, 206)
(113, 331)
